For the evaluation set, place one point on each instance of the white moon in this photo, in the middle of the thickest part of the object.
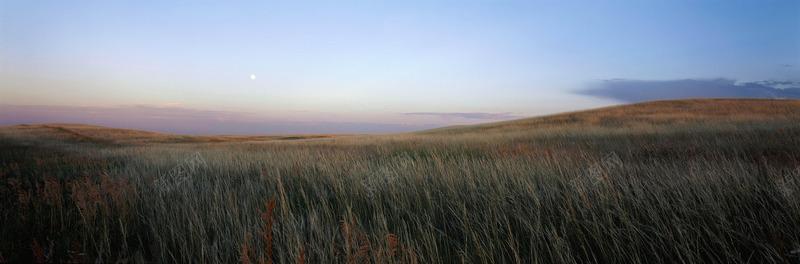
(252, 77)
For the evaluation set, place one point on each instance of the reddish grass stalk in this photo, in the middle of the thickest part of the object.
(51, 194)
(300, 260)
(268, 221)
(245, 255)
(38, 253)
(391, 239)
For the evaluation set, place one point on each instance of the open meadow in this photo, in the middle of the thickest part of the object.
(685, 181)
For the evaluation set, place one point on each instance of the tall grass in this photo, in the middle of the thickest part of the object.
(649, 194)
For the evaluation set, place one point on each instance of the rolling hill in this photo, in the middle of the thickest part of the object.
(664, 113)
(110, 135)
(683, 181)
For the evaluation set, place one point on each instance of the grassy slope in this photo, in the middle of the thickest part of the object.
(711, 180)
(668, 113)
(108, 135)
(653, 113)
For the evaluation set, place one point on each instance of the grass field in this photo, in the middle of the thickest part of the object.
(712, 181)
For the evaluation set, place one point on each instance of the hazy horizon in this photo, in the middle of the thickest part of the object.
(379, 67)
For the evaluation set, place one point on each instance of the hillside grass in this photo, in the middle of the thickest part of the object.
(715, 181)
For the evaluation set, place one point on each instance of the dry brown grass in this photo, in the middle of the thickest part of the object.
(618, 184)
(653, 113)
(107, 135)
(268, 222)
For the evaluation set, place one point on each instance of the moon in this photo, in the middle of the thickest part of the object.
(252, 77)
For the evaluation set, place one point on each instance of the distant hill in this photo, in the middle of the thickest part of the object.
(652, 113)
(84, 133)
(100, 134)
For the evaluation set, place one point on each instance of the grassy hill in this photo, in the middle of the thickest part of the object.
(82, 133)
(66, 132)
(666, 113)
(653, 114)
(698, 181)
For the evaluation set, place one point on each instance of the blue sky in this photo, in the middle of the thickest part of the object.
(378, 64)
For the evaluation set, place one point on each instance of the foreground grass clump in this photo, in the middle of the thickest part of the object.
(703, 190)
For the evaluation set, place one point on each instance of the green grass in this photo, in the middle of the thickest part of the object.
(630, 189)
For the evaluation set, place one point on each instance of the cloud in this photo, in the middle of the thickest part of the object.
(486, 116)
(182, 120)
(638, 90)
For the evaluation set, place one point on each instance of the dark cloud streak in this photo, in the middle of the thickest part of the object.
(637, 90)
(486, 116)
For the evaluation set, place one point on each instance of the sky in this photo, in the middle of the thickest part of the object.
(379, 66)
